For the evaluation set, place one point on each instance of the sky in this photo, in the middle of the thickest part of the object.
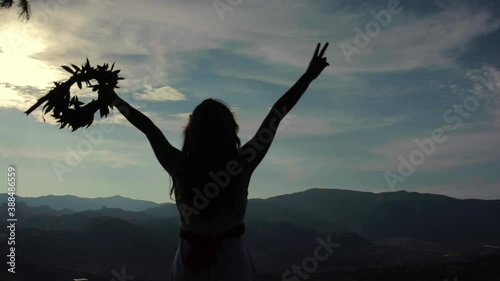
(410, 100)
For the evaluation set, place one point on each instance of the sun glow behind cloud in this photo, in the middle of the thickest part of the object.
(18, 66)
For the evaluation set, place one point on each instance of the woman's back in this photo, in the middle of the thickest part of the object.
(212, 245)
(219, 198)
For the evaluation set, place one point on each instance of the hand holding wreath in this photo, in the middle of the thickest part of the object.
(69, 110)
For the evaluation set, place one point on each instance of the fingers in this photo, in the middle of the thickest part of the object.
(317, 50)
(323, 50)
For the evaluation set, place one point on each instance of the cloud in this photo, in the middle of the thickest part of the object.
(116, 160)
(184, 116)
(415, 43)
(26, 153)
(487, 81)
(376, 123)
(420, 42)
(291, 126)
(294, 168)
(474, 142)
(114, 117)
(458, 150)
(484, 86)
(174, 124)
(17, 97)
(165, 93)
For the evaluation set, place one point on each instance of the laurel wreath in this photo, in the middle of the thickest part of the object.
(69, 111)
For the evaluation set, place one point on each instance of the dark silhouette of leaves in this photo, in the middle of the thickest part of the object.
(25, 8)
(67, 69)
(6, 4)
(23, 5)
(76, 67)
(69, 111)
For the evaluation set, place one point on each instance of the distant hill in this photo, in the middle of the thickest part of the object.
(374, 232)
(165, 210)
(400, 214)
(266, 210)
(373, 216)
(23, 210)
(78, 204)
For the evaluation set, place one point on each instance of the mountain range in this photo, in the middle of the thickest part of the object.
(71, 234)
(374, 216)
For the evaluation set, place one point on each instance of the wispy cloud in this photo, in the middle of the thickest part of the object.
(114, 159)
(165, 93)
(457, 151)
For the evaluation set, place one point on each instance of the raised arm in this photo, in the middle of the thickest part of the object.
(256, 148)
(166, 154)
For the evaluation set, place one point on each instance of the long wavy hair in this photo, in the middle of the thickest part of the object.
(210, 141)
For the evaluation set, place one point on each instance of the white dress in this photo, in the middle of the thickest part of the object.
(234, 262)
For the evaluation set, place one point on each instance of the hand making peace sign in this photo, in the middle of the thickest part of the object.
(318, 62)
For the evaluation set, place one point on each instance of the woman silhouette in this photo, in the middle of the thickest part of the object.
(211, 175)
